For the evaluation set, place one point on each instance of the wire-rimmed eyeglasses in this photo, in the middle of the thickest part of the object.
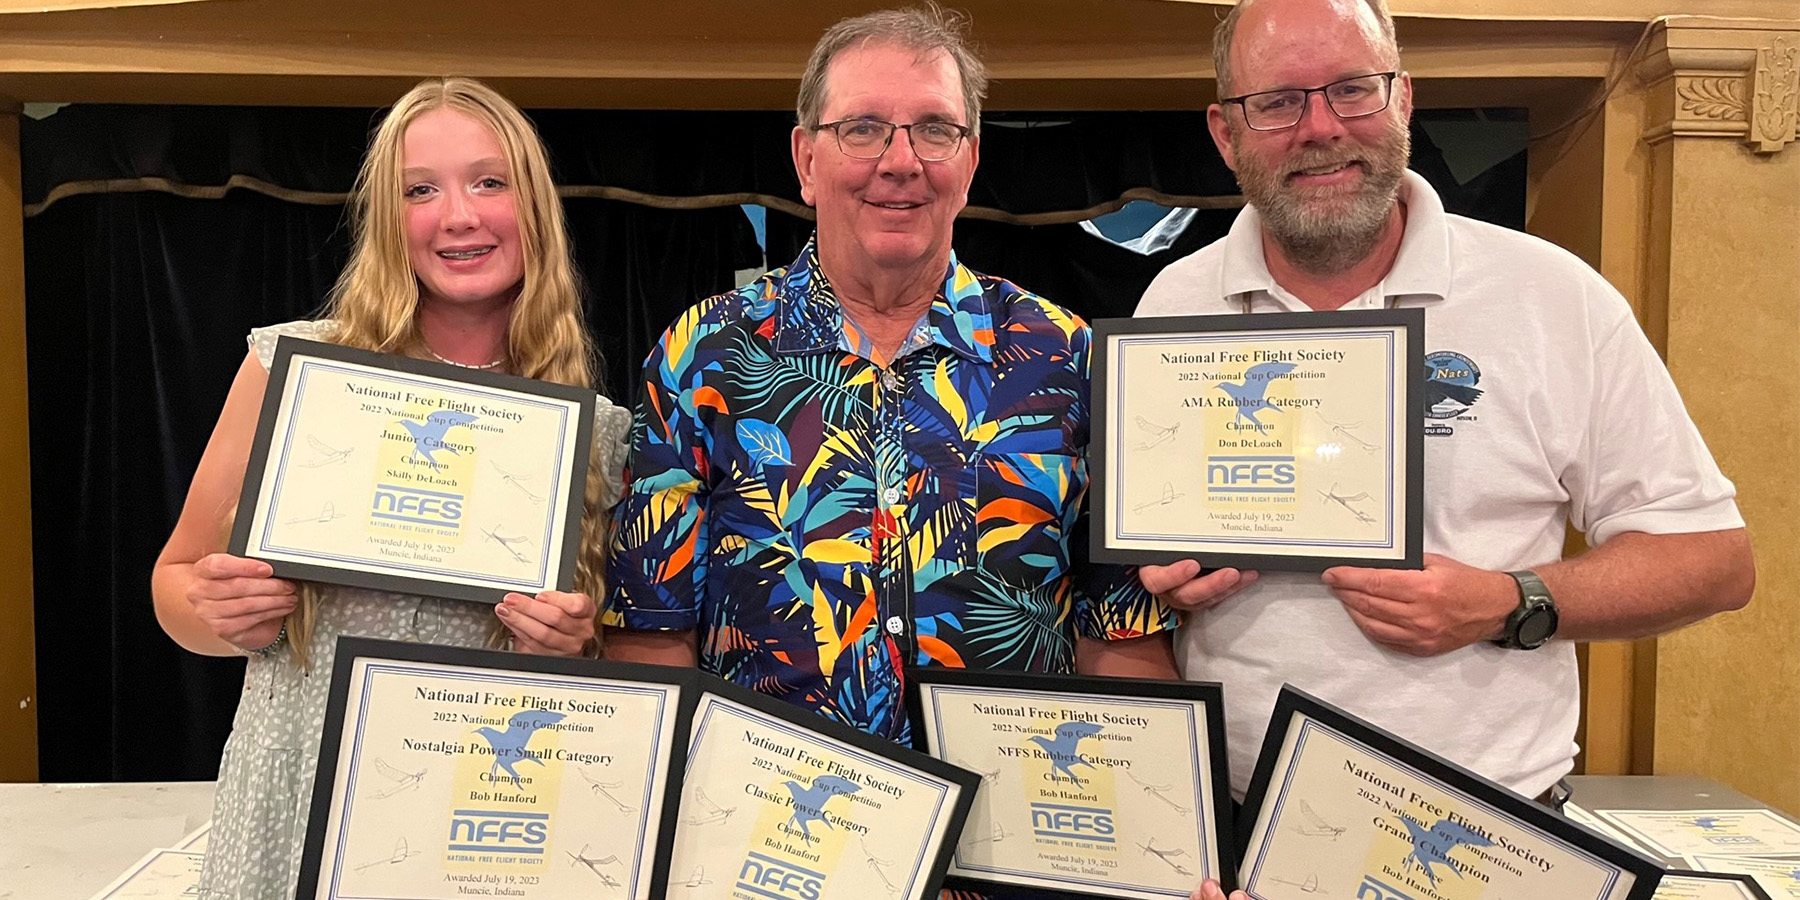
(1350, 98)
(870, 138)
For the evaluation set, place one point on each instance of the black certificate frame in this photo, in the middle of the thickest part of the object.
(1748, 882)
(1106, 421)
(573, 479)
(965, 780)
(1210, 694)
(351, 649)
(1293, 705)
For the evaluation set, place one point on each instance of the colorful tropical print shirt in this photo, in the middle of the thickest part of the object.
(823, 522)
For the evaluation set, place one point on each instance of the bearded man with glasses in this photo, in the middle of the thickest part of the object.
(873, 458)
(1546, 407)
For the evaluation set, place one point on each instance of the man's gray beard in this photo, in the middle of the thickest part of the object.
(1333, 237)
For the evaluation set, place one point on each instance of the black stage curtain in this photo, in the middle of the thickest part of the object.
(144, 274)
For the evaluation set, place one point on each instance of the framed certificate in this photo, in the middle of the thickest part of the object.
(1339, 808)
(1089, 787)
(1779, 877)
(1288, 441)
(1703, 832)
(1678, 884)
(398, 474)
(446, 773)
(780, 804)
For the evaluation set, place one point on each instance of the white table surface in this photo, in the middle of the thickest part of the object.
(67, 841)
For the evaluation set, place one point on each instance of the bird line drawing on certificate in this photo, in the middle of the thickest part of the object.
(1169, 495)
(1159, 791)
(1167, 855)
(428, 436)
(1343, 430)
(880, 867)
(1251, 397)
(594, 864)
(400, 782)
(1345, 500)
(708, 812)
(1311, 824)
(506, 543)
(605, 789)
(697, 878)
(401, 854)
(327, 513)
(1309, 886)
(1159, 434)
(327, 454)
(517, 481)
(809, 802)
(988, 776)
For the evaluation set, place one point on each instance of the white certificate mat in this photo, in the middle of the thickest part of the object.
(1345, 810)
(773, 810)
(448, 779)
(1779, 877)
(1114, 794)
(396, 474)
(160, 875)
(1714, 832)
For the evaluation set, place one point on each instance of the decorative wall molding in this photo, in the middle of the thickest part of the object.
(1775, 102)
(1711, 97)
(1717, 81)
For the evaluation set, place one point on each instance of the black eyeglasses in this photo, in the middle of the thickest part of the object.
(870, 138)
(1351, 98)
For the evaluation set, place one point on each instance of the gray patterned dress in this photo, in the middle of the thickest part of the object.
(266, 775)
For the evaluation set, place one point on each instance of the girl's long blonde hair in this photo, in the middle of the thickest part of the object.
(374, 303)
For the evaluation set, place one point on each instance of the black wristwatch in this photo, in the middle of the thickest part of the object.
(1533, 624)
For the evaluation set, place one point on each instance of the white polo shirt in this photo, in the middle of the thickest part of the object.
(1577, 421)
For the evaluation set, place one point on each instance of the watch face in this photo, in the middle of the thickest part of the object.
(1537, 627)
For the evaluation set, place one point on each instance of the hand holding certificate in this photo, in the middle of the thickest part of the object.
(398, 474)
(1267, 441)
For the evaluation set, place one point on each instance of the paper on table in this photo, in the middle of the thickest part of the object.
(1709, 832)
(1780, 876)
(160, 875)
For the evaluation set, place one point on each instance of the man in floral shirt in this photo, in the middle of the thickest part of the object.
(874, 457)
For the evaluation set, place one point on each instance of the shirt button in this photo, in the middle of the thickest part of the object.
(890, 496)
(894, 625)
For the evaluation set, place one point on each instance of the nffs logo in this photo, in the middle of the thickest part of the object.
(1227, 475)
(423, 484)
(1070, 806)
(766, 876)
(498, 832)
(504, 772)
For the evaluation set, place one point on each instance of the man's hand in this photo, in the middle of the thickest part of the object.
(1181, 586)
(1445, 606)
